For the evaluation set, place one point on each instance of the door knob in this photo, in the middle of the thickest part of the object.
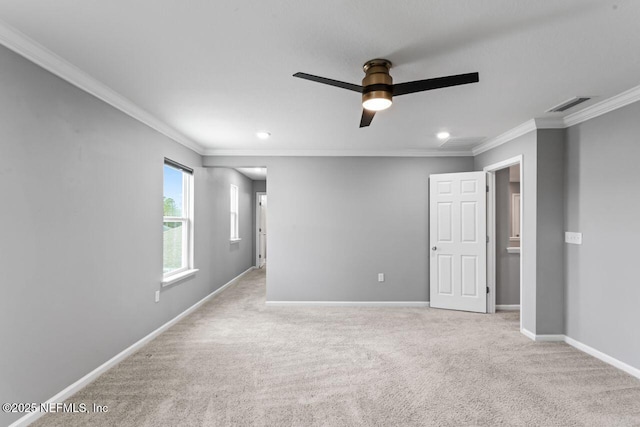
(434, 248)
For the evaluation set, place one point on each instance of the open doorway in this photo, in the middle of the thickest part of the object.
(504, 248)
(258, 176)
(261, 229)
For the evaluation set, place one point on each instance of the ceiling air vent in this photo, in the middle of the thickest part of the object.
(568, 104)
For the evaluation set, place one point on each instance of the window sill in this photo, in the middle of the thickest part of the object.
(513, 250)
(170, 280)
(232, 241)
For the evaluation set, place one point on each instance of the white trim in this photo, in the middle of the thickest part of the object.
(508, 307)
(491, 244)
(347, 303)
(170, 280)
(542, 338)
(491, 228)
(40, 55)
(550, 338)
(586, 349)
(613, 103)
(337, 153)
(513, 250)
(504, 164)
(591, 112)
(549, 123)
(603, 356)
(187, 261)
(45, 58)
(461, 143)
(522, 129)
(93, 375)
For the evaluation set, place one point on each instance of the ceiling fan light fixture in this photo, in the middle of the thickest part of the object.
(443, 135)
(377, 84)
(377, 88)
(377, 104)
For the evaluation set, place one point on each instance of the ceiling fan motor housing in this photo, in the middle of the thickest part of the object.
(377, 82)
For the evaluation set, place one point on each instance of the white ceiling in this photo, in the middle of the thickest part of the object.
(217, 71)
(255, 173)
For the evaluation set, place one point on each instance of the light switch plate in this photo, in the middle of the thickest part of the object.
(573, 238)
(380, 277)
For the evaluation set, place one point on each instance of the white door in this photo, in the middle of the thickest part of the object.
(458, 241)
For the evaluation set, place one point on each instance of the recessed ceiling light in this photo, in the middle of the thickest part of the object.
(443, 135)
(263, 134)
(257, 169)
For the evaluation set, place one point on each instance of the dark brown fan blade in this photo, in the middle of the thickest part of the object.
(330, 82)
(437, 83)
(367, 116)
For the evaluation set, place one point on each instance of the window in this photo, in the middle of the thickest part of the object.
(235, 235)
(177, 233)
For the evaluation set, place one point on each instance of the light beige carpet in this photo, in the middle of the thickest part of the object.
(237, 362)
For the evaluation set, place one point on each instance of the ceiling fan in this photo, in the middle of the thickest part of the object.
(377, 87)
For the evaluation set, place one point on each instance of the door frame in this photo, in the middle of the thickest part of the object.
(257, 227)
(491, 228)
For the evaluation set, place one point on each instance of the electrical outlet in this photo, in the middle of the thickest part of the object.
(573, 238)
(157, 296)
(380, 277)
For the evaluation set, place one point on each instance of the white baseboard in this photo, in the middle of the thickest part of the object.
(91, 376)
(542, 338)
(604, 357)
(508, 307)
(528, 334)
(348, 303)
(586, 349)
(550, 338)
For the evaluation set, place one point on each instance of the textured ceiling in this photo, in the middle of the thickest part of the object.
(217, 72)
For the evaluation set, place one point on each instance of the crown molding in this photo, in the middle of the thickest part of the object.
(550, 123)
(336, 153)
(524, 128)
(461, 143)
(615, 102)
(40, 55)
(591, 112)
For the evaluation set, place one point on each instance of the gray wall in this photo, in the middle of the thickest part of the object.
(602, 201)
(259, 186)
(336, 222)
(231, 259)
(542, 308)
(550, 244)
(81, 241)
(507, 264)
(525, 145)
